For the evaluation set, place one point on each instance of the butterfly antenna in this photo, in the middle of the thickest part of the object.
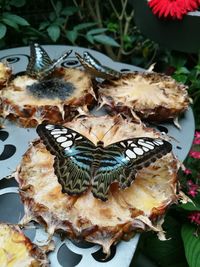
(89, 129)
(110, 129)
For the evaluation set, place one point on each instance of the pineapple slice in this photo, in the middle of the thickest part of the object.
(151, 95)
(16, 250)
(5, 74)
(30, 101)
(140, 207)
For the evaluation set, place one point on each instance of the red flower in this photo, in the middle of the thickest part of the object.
(174, 9)
(194, 154)
(194, 217)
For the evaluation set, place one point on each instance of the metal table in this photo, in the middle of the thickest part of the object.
(14, 142)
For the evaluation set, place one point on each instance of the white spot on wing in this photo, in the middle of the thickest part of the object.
(56, 135)
(79, 138)
(158, 142)
(49, 127)
(138, 151)
(67, 144)
(58, 131)
(122, 143)
(61, 139)
(145, 144)
(130, 154)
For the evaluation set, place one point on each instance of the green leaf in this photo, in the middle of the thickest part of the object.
(58, 7)
(3, 30)
(43, 25)
(83, 26)
(52, 16)
(69, 11)
(17, 3)
(195, 205)
(53, 32)
(71, 36)
(191, 244)
(15, 18)
(165, 253)
(182, 78)
(182, 70)
(90, 38)
(97, 31)
(106, 40)
(189, 206)
(11, 23)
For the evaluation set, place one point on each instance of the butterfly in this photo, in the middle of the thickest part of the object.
(94, 67)
(40, 64)
(80, 164)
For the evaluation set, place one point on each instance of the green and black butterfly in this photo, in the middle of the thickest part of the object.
(94, 67)
(40, 64)
(80, 164)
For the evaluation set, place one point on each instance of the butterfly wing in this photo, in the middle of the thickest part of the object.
(121, 161)
(39, 60)
(73, 156)
(95, 68)
(40, 64)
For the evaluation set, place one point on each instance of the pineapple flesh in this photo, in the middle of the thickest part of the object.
(16, 250)
(140, 207)
(30, 101)
(152, 96)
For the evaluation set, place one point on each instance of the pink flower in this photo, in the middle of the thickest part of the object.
(194, 154)
(196, 141)
(197, 134)
(194, 217)
(187, 171)
(192, 188)
(174, 9)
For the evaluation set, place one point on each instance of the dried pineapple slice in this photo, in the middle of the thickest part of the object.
(30, 101)
(137, 208)
(5, 74)
(151, 95)
(16, 250)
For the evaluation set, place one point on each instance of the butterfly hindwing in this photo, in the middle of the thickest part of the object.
(121, 161)
(73, 156)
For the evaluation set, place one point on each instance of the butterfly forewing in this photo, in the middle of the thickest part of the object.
(73, 156)
(39, 60)
(120, 162)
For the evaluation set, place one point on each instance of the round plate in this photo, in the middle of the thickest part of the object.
(14, 141)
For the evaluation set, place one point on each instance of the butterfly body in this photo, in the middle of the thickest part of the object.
(80, 164)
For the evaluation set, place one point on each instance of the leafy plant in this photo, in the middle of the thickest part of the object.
(182, 222)
(9, 20)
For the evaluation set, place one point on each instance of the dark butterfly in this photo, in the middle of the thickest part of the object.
(94, 67)
(40, 64)
(79, 163)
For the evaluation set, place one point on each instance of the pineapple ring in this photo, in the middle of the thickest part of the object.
(29, 102)
(151, 95)
(139, 207)
(17, 250)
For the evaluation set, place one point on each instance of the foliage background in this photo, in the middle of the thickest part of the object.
(108, 26)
